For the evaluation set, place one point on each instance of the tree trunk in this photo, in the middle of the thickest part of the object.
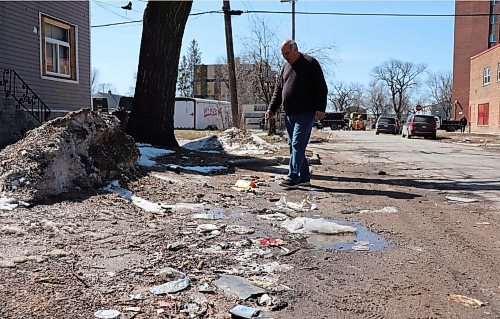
(152, 117)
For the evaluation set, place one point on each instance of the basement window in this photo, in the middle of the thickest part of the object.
(58, 49)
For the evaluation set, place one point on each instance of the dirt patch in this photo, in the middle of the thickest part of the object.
(92, 250)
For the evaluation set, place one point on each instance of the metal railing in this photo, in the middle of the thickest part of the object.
(15, 87)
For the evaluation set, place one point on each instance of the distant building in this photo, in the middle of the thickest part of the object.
(212, 82)
(473, 34)
(437, 109)
(485, 91)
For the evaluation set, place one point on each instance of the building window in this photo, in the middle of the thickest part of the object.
(493, 38)
(493, 19)
(486, 76)
(498, 72)
(483, 111)
(58, 49)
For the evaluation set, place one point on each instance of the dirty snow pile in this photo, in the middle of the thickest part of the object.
(209, 144)
(232, 141)
(82, 149)
(241, 142)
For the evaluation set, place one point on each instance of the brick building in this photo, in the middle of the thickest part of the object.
(484, 98)
(473, 34)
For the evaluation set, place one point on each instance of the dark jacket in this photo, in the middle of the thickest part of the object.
(300, 87)
(463, 121)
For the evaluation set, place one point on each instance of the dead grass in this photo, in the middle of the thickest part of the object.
(470, 137)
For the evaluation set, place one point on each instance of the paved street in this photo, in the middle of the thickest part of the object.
(461, 167)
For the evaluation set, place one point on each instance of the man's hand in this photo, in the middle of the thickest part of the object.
(320, 115)
(269, 114)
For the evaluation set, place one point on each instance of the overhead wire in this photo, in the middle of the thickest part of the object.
(109, 10)
(316, 13)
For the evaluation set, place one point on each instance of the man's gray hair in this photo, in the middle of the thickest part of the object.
(291, 43)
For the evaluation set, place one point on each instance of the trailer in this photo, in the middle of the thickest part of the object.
(201, 114)
(333, 120)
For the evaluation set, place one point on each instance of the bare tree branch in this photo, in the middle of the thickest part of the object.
(400, 78)
(440, 86)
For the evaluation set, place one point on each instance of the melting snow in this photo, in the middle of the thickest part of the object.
(204, 169)
(148, 152)
(10, 203)
(114, 187)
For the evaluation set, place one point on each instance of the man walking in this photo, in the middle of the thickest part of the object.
(302, 90)
(463, 123)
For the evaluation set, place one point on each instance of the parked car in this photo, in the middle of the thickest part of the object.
(387, 124)
(419, 125)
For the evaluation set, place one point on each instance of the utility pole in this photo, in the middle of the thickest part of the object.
(293, 16)
(293, 20)
(230, 62)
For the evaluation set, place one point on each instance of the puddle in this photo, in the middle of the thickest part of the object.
(347, 241)
(263, 228)
(214, 213)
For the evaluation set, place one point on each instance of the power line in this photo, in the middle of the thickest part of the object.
(109, 10)
(139, 21)
(431, 15)
(374, 14)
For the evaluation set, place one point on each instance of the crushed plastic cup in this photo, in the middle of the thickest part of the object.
(243, 185)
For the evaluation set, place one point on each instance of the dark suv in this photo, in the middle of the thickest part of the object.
(419, 125)
(387, 124)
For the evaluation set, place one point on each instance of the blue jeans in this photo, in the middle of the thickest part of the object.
(299, 128)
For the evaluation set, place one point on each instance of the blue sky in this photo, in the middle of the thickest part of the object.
(361, 42)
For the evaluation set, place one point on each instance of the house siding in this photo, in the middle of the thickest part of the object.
(20, 49)
(485, 94)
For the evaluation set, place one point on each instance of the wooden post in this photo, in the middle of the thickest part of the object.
(230, 63)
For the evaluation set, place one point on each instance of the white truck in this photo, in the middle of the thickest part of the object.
(201, 114)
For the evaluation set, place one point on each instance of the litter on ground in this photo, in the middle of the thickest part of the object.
(466, 301)
(241, 311)
(243, 185)
(305, 225)
(461, 199)
(304, 206)
(237, 286)
(170, 287)
(385, 210)
(107, 314)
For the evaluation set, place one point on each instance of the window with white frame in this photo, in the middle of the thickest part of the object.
(486, 76)
(58, 49)
(498, 72)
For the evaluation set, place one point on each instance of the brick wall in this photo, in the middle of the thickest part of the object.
(490, 93)
(471, 38)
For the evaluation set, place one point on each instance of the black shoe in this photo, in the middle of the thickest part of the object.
(289, 184)
(305, 183)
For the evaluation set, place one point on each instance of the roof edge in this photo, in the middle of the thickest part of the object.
(485, 51)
